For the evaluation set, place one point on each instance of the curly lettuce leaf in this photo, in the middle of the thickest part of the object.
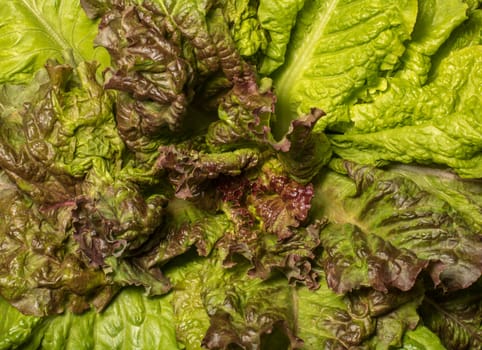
(385, 229)
(188, 169)
(187, 226)
(244, 115)
(257, 212)
(304, 152)
(260, 186)
(455, 317)
(149, 70)
(161, 53)
(73, 206)
(269, 228)
(34, 31)
(230, 309)
(168, 59)
(40, 270)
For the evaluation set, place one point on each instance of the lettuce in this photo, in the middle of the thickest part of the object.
(419, 123)
(402, 88)
(34, 31)
(389, 229)
(240, 174)
(338, 49)
(132, 321)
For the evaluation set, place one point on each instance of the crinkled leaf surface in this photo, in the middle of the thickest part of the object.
(418, 129)
(456, 317)
(234, 310)
(63, 159)
(15, 327)
(40, 270)
(186, 226)
(230, 309)
(269, 230)
(241, 246)
(385, 229)
(339, 48)
(365, 319)
(435, 22)
(421, 338)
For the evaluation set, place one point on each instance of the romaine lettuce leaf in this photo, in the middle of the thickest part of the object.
(34, 31)
(277, 18)
(15, 327)
(338, 49)
(435, 22)
(132, 321)
(435, 123)
(421, 338)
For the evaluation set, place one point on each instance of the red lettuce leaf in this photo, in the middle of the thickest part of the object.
(387, 226)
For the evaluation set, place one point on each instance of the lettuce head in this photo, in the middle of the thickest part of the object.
(241, 174)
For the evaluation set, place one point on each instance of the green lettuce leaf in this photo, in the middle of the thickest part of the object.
(132, 321)
(421, 338)
(187, 225)
(277, 18)
(410, 116)
(244, 26)
(436, 20)
(325, 321)
(338, 49)
(385, 229)
(243, 313)
(418, 129)
(34, 31)
(190, 316)
(229, 308)
(465, 35)
(15, 327)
